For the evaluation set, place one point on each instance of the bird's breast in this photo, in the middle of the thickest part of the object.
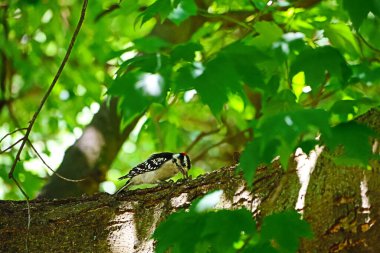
(165, 172)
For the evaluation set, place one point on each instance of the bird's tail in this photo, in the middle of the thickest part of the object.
(127, 184)
(123, 177)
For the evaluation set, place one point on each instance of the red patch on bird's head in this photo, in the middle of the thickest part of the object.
(183, 153)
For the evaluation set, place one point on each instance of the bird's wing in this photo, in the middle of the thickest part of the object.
(151, 164)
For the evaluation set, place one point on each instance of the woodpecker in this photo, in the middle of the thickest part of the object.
(157, 168)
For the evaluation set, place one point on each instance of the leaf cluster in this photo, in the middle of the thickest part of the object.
(210, 230)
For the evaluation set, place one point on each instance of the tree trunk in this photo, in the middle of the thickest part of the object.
(342, 205)
(91, 155)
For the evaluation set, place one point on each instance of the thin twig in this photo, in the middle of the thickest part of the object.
(226, 17)
(368, 44)
(15, 131)
(200, 137)
(56, 77)
(11, 146)
(29, 129)
(56, 173)
(106, 11)
(261, 12)
(203, 153)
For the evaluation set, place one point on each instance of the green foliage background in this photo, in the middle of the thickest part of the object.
(280, 73)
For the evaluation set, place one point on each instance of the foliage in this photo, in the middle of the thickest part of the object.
(303, 72)
(210, 230)
(214, 77)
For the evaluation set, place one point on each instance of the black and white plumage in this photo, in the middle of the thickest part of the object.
(157, 168)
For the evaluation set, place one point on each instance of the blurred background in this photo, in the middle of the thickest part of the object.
(182, 76)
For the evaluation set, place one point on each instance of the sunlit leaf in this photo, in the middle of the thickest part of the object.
(269, 33)
(341, 37)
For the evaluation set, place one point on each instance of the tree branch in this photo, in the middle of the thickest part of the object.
(56, 173)
(13, 132)
(12, 145)
(29, 129)
(200, 137)
(367, 43)
(106, 11)
(56, 77)
(204, 152)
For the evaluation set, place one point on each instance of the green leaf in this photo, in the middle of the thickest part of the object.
(184, 10)
(260, 4)
(351, 141)
(245, 60)
(248, 161)
(146, 63)
(283, 101)
(316, 62)
(150, 44)
(369, 31)
(185, 52)
(284, 230)
(367, 74)
(212, 231)
(225, 227)
(359, 10)
(218, 79)
(184, 77)
(159, 7)
(341, 36)
(137, 91)
(258, 152)
(308, 145)
(226, 72)
(269, 33)
(349, 109)
(280, 134)
(262, 247)
(284, 131)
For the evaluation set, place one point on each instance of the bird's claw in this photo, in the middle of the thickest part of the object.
(184, 179)
(161, 183)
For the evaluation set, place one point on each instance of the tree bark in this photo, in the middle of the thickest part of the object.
(123, 223)
(342, 206)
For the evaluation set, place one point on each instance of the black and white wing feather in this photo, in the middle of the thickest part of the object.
(152, 163)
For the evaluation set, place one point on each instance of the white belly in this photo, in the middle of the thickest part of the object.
(165, 172)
